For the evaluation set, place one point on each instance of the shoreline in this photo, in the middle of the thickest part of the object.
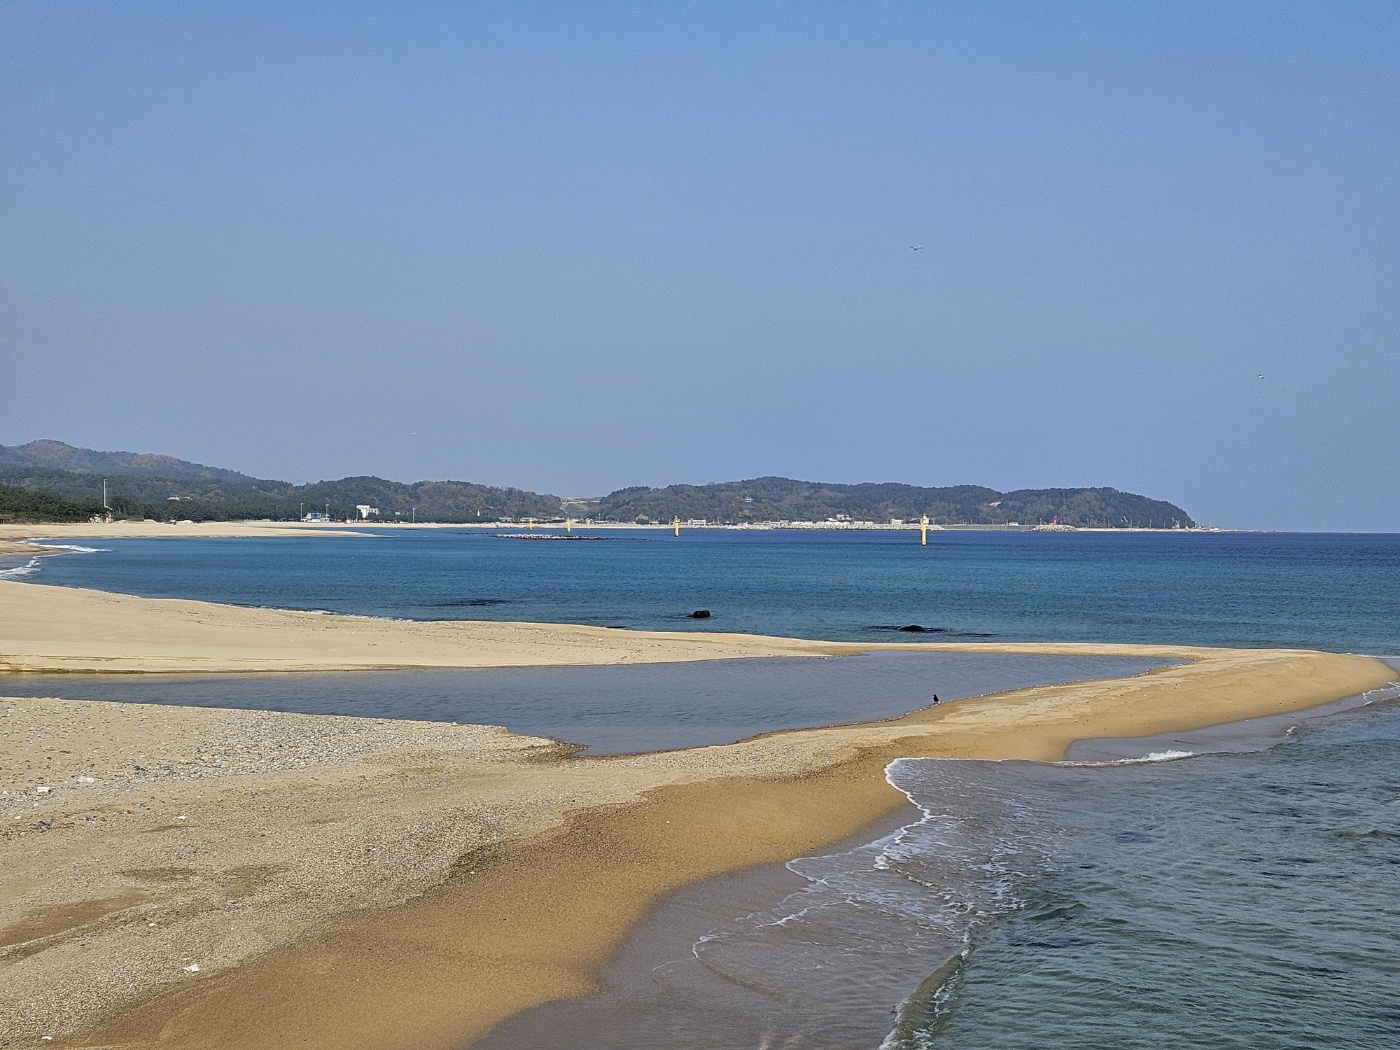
(663, 938)
(13, 534)
(151, 529)
(418, 883)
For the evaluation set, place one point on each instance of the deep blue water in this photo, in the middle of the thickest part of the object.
(1339, 592)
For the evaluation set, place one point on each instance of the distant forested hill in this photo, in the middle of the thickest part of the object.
(162, 487)
(56, 456)
(782, 499)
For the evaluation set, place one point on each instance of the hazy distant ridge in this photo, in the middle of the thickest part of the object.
(142, 485)
(55, 455)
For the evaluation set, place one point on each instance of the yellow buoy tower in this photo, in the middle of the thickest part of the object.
(923, 530)
(677, 524)
(569, 525)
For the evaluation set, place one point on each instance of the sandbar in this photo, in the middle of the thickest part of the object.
(70, 629)
(216, 878)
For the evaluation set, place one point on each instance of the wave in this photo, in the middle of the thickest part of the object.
(1169, 755)
(1157, 756)
(18, 572)
(1381, 695)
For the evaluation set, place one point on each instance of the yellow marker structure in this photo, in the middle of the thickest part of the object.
(568, 525)
(530, 524)
(923, 530)
(677, 525)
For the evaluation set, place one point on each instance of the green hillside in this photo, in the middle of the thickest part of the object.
(782, 499)
(65, 483)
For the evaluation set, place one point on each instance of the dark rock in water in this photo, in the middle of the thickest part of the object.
(913, 628)
(700, 614)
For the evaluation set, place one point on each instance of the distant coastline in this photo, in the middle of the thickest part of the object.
(51, 481)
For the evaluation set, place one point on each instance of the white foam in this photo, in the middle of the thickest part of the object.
(1384, 693)
(1150, 757)
(73, 548)
(1161, 756)
(18, 572)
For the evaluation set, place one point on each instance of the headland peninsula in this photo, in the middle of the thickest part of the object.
(53, 481)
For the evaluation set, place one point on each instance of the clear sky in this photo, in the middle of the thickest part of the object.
(572, 247)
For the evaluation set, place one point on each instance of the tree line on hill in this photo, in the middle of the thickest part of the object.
(165, 499)
(51, 481)
(782, 499)
(34, 505)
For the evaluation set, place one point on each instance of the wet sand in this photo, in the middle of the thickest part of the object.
(345, 882)
(655, 965)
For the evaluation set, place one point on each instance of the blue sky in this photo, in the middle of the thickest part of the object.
(575, 247)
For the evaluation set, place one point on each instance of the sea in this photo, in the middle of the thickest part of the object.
(1228, 888)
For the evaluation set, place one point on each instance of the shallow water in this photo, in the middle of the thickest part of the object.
(619, 709)
(1221, 901)
(1231, 899)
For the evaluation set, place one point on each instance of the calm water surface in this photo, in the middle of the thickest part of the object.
(1338, 592)
(611, 710)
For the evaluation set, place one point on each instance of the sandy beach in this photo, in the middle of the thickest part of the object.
(12, 534)
(210, 878)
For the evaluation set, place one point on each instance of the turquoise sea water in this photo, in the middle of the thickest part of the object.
(1237, 899)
